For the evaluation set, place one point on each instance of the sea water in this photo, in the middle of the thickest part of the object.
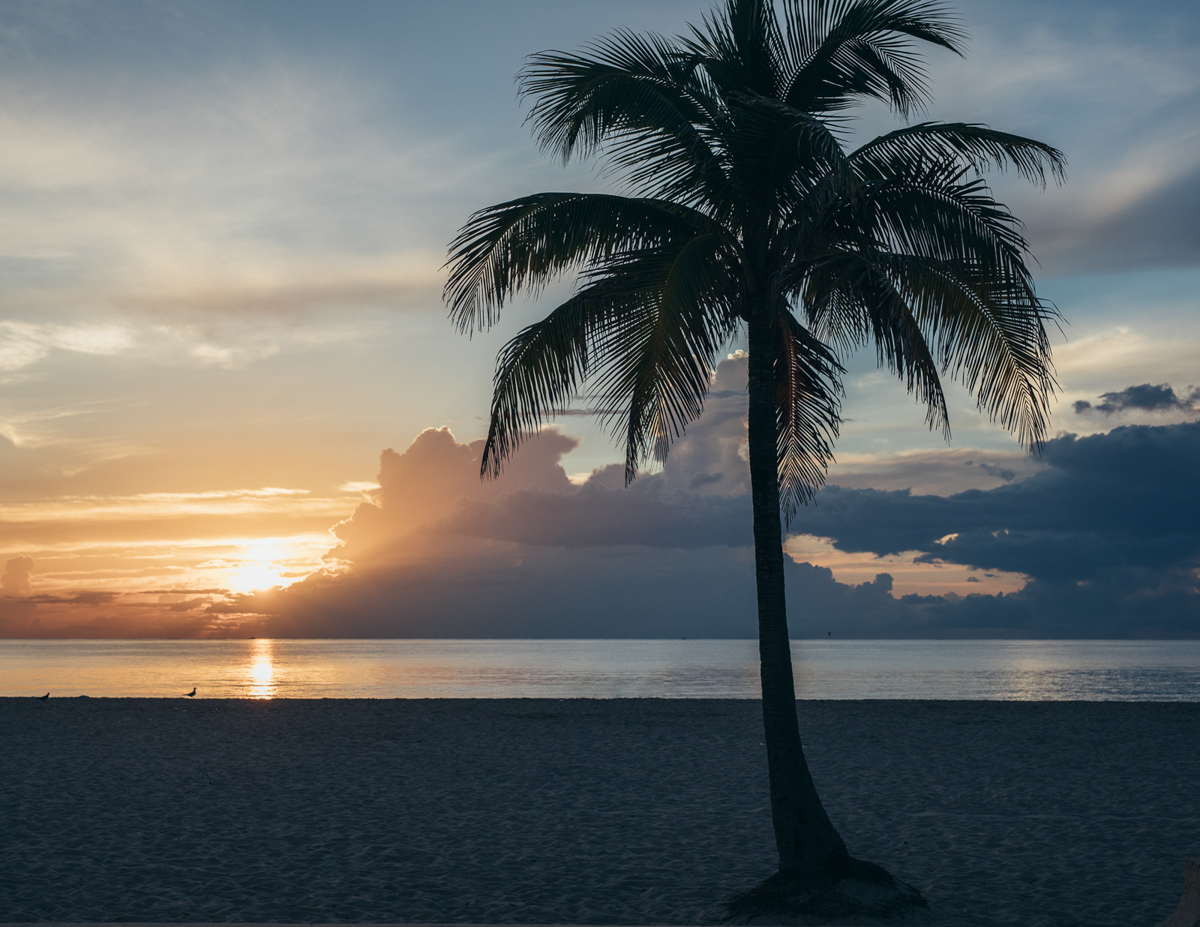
(1024, 670)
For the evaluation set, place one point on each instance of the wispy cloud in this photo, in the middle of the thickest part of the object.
(23, 343)
(267, 185)
(1119, 92)
(168, 505)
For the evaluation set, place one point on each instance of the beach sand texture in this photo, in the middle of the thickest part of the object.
(579, 811)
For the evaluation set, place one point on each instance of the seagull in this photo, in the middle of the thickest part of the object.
(190, 694)
(42, 698)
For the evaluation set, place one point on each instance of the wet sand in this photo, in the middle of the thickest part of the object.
(579, 811)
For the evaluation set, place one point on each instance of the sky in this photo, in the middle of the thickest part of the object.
(231, 403)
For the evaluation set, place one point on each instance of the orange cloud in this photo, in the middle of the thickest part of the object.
(15, 579)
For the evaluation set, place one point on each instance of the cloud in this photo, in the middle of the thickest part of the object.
(1123, 217)
(80, 598)
(1117, 88)
(1124, 497)
(87, 518)
(19, 618)
(1157, 229)
(1143, 398)
(911, 572)
(264, 181)
(24, 343)
(1098, 540)
(941, 472)
(432, 493)
(15, 579)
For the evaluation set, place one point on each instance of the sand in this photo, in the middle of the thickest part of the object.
(579, 811)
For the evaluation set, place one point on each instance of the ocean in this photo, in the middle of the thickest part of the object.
(1124, 671)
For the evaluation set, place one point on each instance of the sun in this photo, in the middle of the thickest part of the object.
(254, 577)
(260, 568)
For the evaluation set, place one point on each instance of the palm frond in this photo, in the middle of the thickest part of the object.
(523, 244)
(842, 50)
(989, 334)
(539, 371)
(659, 360)
(646, 328)
(638, 98)
(968, 143)
(808, 397)
(779, 152)
(850, 299)
(935, 210)
(740, 47)
(929, 317)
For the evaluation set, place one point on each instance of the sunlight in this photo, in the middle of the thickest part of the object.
(262, 669)
(255, 577)
(261, 568)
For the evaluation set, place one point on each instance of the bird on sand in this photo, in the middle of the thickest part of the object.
(42, 698)
(190, 694)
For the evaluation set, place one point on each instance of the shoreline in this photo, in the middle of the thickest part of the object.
(579, 811)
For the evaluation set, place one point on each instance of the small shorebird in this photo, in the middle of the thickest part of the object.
(42, 698)
(190, 694)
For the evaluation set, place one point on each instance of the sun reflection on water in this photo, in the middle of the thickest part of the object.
(261, 671)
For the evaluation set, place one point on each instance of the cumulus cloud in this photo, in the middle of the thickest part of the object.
(1143, 398)
(1102, 531)
(432, 494)
(14, 581)
(1107, 532)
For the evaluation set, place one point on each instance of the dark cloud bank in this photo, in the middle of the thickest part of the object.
(1107, 531)
(1147, 397)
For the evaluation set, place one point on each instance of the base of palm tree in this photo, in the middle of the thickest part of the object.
(850, 891)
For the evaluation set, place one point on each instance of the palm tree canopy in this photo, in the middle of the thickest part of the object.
(742, 203)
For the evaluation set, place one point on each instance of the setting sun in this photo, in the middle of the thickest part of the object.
(262, 568)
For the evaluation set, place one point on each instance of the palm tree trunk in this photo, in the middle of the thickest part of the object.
(807, 840)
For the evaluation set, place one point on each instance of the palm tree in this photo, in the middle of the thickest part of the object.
(742, 207)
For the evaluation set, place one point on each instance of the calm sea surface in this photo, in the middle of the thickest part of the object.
(1046, 670)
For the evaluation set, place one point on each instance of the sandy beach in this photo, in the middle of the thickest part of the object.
(579, 811)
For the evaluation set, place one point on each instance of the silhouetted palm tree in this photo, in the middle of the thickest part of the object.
(743, 207)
